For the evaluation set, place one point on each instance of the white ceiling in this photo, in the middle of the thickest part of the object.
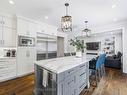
(97, 12)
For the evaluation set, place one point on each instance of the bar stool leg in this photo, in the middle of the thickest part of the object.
(96, 77)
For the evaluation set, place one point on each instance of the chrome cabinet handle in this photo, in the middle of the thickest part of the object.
(3, 42)
(82, 66)
(82, 85)
(70, 82)
(82, 74)
(70, 71)
(27, 53)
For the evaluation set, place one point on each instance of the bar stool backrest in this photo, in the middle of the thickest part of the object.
(100, 61)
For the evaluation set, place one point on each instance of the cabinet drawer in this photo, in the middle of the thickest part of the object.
(82, 78)
(7, 75)
(70, 72)
(81, 87)
(83, 66)
(70, 81)
(6, 70)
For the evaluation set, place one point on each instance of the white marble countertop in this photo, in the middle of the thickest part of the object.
(58, 65)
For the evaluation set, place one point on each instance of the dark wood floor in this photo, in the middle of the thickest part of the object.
(114, 83)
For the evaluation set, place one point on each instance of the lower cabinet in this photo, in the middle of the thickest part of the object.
(74, 80)
(7, 69)
(25, 60)
(69, 82)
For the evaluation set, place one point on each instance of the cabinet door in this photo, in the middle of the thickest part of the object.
(1, 33)
(22, 27)
(31, 58)
(8, 22)
(32, 29)
(1, 21)
(21, 61)
(7, 36)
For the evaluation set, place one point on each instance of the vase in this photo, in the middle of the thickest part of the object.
(78, 54)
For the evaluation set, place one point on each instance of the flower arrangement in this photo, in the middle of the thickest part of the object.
(79, 44)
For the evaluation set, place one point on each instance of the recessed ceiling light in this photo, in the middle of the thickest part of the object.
(111, 32)
(113, 6)
(11, 2)
(46, 17)
(115, 19)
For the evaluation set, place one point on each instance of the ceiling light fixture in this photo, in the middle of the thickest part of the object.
(113, 6)
(86, 30)
(115, 19)
(46, 17)
(66, 21)
(11, 2)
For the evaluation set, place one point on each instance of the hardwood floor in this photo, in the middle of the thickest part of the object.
(114, 83)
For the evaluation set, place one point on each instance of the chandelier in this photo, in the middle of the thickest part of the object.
(86, 31)
(66, 21)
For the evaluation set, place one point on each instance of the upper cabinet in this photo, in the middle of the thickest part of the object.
(47, 29)
(26, 27)
(8, 21)
(7, 31)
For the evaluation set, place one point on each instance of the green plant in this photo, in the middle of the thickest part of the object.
(79, 44)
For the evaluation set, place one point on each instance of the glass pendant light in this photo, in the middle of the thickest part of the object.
(66, 21)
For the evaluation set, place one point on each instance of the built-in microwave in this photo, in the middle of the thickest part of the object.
(26, 41)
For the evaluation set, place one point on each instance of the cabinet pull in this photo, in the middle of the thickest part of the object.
(82, 74)
(3, 42)
(27, 53)
(70, 71)
(82, 66)
(70, 82)
(82, 85)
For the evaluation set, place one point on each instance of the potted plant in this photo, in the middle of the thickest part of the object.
(79, 44)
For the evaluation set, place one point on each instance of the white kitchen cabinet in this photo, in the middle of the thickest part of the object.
(1, 21)
(7, 32)
(47, 29)
(26, 28)
(25, 60)
(7, 69)
(30, 59)
(1, 35)
(7, 37)
(8, 21)
(22, 26)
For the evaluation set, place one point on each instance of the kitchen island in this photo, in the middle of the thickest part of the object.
(61, 76)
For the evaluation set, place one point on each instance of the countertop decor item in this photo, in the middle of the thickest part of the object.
(66, 21)
(79, 44)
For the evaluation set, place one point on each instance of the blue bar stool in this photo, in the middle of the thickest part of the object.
(103, 66)
(97, 68)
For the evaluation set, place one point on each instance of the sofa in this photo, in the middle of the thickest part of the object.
(114, 61)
